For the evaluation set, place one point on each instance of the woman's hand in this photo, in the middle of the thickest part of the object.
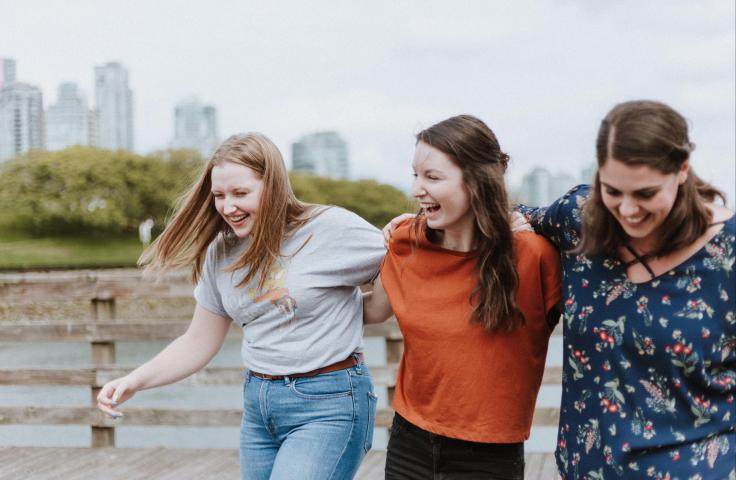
(391, 226)
(114, 393)
(519, 223)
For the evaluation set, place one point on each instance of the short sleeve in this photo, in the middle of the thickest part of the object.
(551, 274)
(206, 292)
(561, 221)
(354, 249)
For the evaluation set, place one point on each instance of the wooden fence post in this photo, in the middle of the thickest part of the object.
(103, 355)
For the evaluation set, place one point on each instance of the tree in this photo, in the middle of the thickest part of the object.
(84, 190)
(88, 190)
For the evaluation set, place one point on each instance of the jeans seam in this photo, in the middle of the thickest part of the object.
(350, 435)
(306, 396)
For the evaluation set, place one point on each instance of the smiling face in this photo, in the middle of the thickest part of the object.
(441, 191)
(639, 197)
(237, 193)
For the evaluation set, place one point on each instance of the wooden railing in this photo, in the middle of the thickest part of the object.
(109, 306)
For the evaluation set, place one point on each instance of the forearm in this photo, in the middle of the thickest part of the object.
(185, 355)
(376, 307)
(181, 358)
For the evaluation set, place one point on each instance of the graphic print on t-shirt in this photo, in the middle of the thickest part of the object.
(275, 292)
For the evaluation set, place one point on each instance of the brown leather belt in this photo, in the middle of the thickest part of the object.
(351, 361)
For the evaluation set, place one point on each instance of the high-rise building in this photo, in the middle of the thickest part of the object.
(7, 70)
(195, 126)
(540, 188)
(68, 121)
(21, 115)
(587, 174)
(114, 105)
(322, 153)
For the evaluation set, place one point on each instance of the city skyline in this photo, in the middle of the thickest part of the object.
(541, 74)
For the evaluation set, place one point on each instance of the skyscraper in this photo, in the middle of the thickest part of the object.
(539, 187)
(7, 70)
(114, 104)
(195, 126)
(68, 120)
(21, 115)
(322, 153)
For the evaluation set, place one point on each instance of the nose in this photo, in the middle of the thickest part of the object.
(417, 189)
(628, 206)
(229, 206)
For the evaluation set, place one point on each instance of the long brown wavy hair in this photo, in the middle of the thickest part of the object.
(195, 222)
(474, 148)
(650, 133)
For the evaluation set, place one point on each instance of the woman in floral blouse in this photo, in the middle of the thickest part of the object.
(649, 287)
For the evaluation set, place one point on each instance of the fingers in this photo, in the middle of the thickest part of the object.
(110, 395)
(391, 226)
(519, 223)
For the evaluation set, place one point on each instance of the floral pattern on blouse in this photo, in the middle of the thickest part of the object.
(649, 369)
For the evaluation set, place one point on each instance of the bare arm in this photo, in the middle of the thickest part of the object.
(376, 307)
(181, 358)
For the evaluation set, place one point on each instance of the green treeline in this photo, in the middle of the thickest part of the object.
(88, 191)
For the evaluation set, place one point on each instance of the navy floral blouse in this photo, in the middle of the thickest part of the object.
(649, 369)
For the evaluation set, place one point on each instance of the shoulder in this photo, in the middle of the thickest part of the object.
(337, 216)
(404, 237)
(721, 213)
(531, 246)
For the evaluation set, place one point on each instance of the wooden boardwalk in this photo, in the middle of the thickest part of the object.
(171, 464)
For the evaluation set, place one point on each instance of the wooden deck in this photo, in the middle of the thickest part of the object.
(171, 464)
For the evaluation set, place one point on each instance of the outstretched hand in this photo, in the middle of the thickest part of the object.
(114, 393)
(391, 226)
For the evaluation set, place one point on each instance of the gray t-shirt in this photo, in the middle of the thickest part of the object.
(309, 313)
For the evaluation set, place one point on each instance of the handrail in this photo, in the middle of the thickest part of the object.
(102, 329)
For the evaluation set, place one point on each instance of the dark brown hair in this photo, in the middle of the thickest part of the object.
(647, 133)
(474, 148)
(196, 223)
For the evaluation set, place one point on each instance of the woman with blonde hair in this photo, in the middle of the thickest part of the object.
(287, 273)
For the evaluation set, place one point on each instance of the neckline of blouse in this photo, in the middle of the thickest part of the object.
(670, 271)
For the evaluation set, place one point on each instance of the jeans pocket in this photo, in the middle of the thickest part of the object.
(327, 385)
(372, 402)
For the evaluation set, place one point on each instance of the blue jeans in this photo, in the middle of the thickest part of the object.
(312, 428)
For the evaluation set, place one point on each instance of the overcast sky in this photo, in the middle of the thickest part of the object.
(542, 74)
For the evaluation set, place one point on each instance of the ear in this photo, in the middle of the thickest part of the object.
(682, 173)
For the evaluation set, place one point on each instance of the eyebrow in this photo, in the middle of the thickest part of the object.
(641, 190)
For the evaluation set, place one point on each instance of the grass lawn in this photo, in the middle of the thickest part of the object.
(19, 251)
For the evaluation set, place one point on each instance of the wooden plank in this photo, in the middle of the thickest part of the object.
(92, 332)
(388, 329)
(552, 376)
(118, 464)
(373, 466)
(48, 376)
(154, 416)
(382, 375)
(173, 464)
(539, 466)
(73, 331)
(90, 284)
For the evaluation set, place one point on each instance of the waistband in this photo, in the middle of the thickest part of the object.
(351, 361)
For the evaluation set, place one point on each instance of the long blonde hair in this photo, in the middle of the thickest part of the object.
(196, 222)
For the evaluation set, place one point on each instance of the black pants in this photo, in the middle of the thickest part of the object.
(416, 454)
